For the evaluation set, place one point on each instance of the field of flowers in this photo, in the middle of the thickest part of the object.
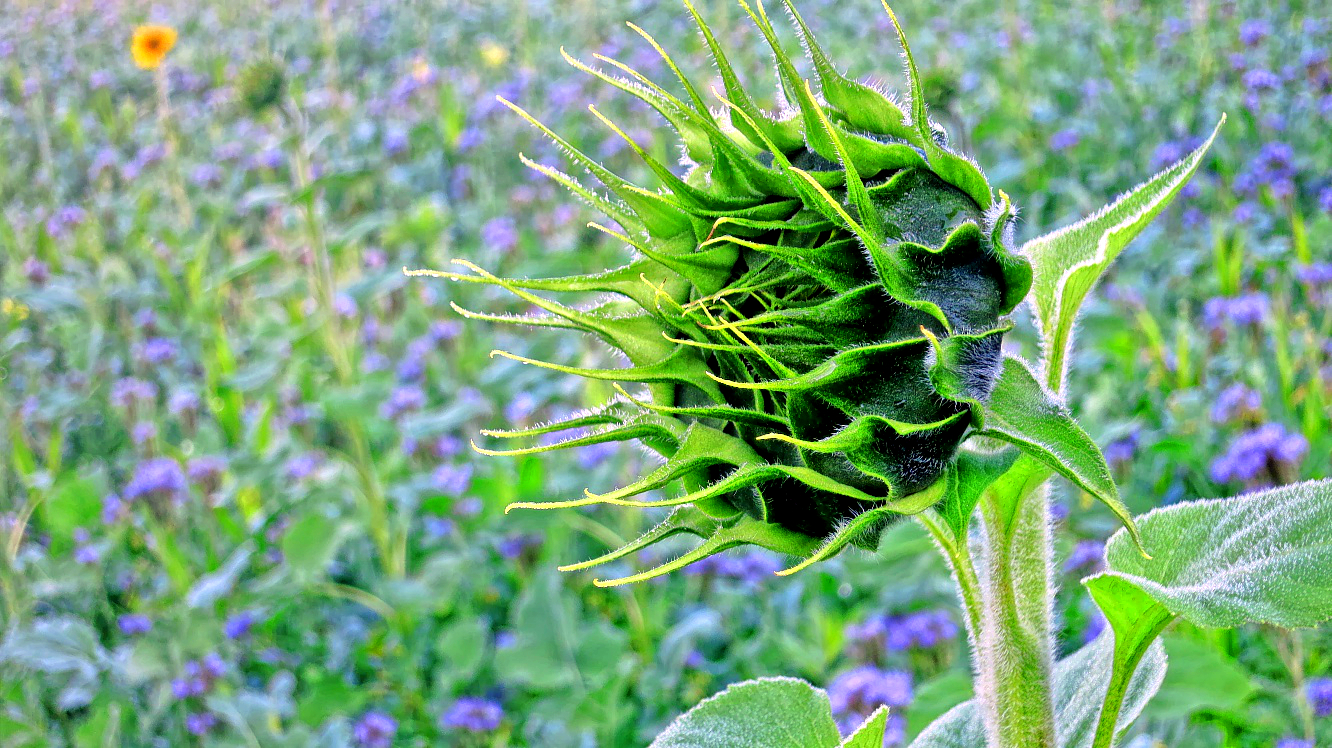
(238, 505)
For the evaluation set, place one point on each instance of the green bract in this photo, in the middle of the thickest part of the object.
(816, 314)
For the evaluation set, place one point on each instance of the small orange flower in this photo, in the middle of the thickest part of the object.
(151, 44)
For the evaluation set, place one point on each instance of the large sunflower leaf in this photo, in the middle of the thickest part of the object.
(763, 713)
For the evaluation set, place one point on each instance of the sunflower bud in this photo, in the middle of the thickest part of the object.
(261, 85)
(815, 315)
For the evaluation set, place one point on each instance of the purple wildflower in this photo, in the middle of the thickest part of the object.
(161, 476)
(128, 392)
(499, 235)
(411, 369)
(520, 407)
(36, 271)
(134, 624)
(1266, 448)
(1248, 309)
(452, 479)
(303, 465)
(1254, 30)
(1319, 693)
(200, 723)
(156, 351)
(206, 175)
(1086, 554)
(206, 470)
(87, 554)
(1065, 139)
(396, 142)
(183, 403)
(447, 446)
(374, 730)
(113, 509)
(924, 629)
(866, 688)
(344, 305)
(1257, 80)
(749, 567)
(512, 547)
(592, 456)
(239, 625)
(1317, 275)
(1095, 625)
(473, 715)
(1235, 401)
(143, 432)
(65, 219)
(1122, 450)
(469, 138)
(403, 400)
(438, 527)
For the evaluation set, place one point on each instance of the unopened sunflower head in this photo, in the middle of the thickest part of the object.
(814, 319)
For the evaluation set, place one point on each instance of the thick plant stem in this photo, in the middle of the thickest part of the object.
(1015, 650)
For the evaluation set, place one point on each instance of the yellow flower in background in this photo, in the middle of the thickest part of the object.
(150, 45)
(493, 55)
(16, 309)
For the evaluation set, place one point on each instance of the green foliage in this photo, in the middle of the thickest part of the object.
(1200, 679)
(768, 713)
(1067, 263)
(1079, 686)
(1262, 557)
(1026, 414)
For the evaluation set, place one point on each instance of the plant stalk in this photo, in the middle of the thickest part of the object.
(1015, 652)
(392, 556)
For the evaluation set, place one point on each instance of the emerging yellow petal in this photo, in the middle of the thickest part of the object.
(150, 45)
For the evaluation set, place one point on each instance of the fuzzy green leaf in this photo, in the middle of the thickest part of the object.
(1263, 557)
(1067, 263)
(864, 107)
(959, 171)
(870, 732)
(1079, 684)
(975, 471)
(755, 125)
(1022, 412)
(1260, 558)
(763, 713)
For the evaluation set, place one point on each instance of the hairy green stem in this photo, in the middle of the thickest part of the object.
(1129, 651)
(1015, 653)
(957, 553)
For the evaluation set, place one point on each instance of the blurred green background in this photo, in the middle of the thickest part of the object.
(237, 505)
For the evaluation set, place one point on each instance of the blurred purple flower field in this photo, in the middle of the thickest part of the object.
(237, 502)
